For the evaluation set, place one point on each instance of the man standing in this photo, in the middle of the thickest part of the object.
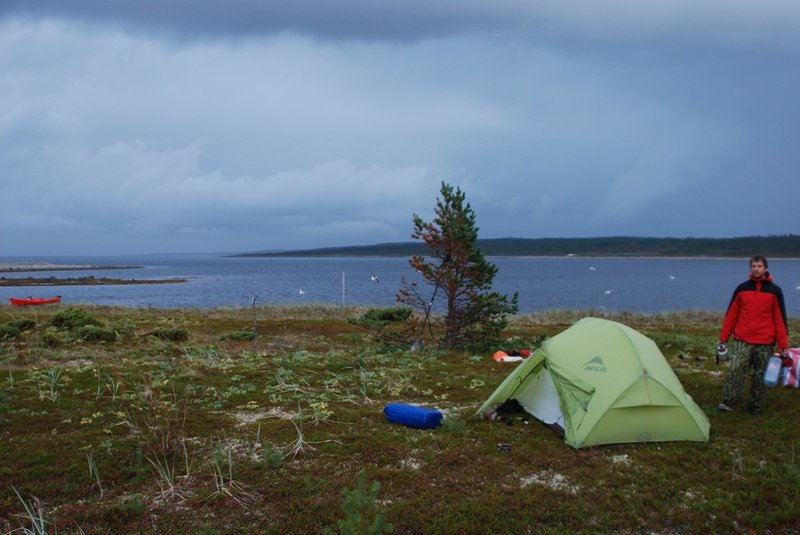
(757, 319)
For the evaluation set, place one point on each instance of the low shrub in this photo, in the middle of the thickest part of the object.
(271, 456)
(124, 327)
(94, 333)
(127, 509)
(14, 328)
(454, 425)
(171, 334)
(385, 316)
(23, 324)
(240, 336)
(362, 510)
(388, 325)
(133, 505)
(8, 332)
(73, 318)
(52, 339)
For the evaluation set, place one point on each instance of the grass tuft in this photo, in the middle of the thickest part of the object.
(34, 514)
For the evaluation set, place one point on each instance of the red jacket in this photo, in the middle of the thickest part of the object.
(757, 314)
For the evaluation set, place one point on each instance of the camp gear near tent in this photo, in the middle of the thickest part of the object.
(602, 382)
(511, 355)
(502, 356)
(413, 416)
(791, 377)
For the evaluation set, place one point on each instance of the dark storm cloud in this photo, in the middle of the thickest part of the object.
(773, 23)
(335, 19)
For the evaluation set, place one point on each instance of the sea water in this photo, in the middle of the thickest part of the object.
(646, 285)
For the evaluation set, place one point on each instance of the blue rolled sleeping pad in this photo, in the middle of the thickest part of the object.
(413, 416)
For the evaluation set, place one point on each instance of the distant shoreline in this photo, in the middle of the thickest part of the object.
(787, 246)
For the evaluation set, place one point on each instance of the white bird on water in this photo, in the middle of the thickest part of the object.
(302, 292)
(592, 268)
(608, 292)
(375, 278)
(672, 277)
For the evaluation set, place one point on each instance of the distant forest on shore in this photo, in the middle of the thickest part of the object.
(782, 246)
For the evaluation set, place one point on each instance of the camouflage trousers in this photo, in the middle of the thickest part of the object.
(748, 361)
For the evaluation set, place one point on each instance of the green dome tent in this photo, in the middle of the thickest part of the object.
(602, 382)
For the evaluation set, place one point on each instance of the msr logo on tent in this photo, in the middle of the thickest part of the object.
(595, 365)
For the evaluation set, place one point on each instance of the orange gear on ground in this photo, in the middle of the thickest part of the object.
(499, 356)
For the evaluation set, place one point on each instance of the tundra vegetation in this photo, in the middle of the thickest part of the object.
(119, 420)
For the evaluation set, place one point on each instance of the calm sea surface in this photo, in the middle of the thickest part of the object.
(613, 284)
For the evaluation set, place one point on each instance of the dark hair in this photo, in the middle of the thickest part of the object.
(760, 258)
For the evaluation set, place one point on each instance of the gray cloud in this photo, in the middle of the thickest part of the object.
(253, 125)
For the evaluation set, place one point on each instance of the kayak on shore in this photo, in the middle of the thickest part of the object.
(26, 301)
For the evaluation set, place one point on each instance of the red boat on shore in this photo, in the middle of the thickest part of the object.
(27, 301)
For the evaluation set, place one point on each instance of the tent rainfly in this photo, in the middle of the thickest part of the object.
(602, 382)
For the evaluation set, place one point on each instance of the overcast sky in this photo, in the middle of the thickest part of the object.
(244, 125)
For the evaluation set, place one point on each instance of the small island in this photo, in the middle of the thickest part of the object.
(90, 280)
(24, 267)
(80, 281)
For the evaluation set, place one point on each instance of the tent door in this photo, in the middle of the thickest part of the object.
(539, 397)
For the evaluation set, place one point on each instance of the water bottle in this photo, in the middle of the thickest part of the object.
(722, 353)
(773, 371)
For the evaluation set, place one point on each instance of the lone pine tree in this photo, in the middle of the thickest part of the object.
(457, 272)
